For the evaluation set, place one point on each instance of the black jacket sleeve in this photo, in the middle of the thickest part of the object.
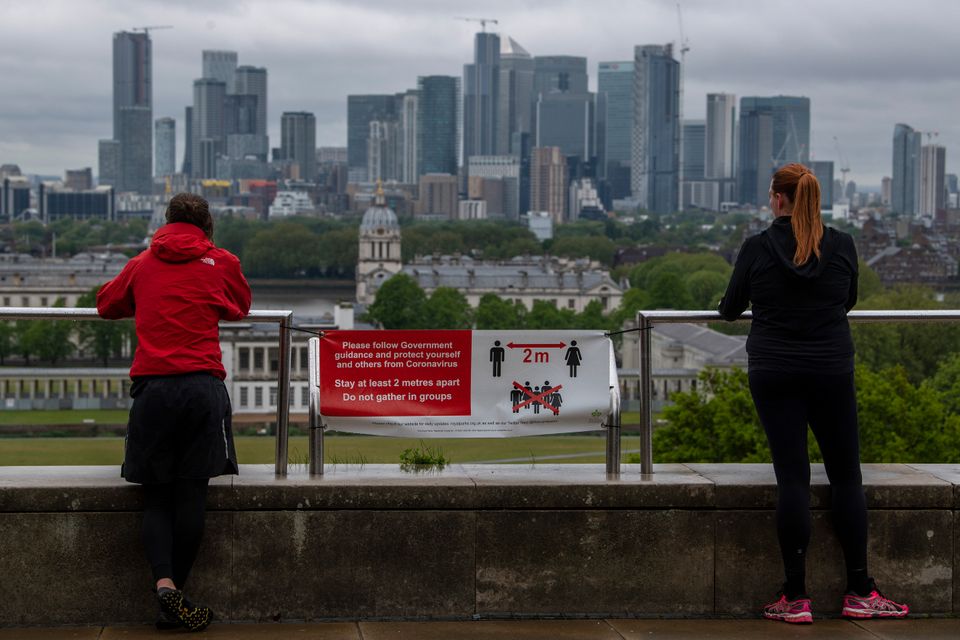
(737, 297)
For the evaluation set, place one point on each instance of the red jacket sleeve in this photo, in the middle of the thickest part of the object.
(236, 291)
(115, 299)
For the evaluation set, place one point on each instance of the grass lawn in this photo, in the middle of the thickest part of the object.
(75, 416)
(345, 449)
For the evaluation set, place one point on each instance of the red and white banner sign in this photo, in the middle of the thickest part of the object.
(443, 384)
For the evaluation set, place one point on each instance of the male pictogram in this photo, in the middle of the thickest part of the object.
(497, 355)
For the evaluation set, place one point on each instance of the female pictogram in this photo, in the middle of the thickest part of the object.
(573, 358)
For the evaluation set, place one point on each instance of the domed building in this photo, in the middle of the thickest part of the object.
(379, 256)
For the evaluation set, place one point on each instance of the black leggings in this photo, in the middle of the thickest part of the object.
(786, 404)
(173, 527)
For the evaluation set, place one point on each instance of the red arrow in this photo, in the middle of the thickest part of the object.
(559, 345)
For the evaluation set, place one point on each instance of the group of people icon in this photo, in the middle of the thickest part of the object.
(540, 396)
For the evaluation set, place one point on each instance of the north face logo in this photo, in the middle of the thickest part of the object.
(208, 261)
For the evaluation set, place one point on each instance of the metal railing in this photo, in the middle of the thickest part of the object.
(283, 317)
(647, 319)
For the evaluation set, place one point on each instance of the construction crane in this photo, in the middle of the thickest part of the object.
(844, 166)
(483, 22)
(147, 29)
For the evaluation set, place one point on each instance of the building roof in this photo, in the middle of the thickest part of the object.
(510, 47)
(722, 349)
(469, 274)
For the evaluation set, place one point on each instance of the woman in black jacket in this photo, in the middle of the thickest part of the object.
(801, 279)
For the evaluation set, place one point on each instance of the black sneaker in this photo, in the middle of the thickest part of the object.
(166, 622)
(176, 606)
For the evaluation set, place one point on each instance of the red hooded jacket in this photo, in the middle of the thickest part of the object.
(177, 291)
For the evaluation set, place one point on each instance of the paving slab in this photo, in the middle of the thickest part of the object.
(319, 631)
(948, 472)
(372, 486)
(564, 486)
(738, 629)
(490, 630)
(913, 629)
(55, 633)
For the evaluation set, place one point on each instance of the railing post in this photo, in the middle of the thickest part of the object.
(646, 396)
(283, 398)
(316, 429)
(613, 435)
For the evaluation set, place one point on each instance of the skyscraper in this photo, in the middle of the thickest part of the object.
(437, 124)
(615, 124)
(165, 151)
(933, 169)
(208, 136)
(823, 170)
(548, 182)
(136, 149)
(409, 138)
(133, 110)
(253, 81)
(655, 140)
(187, 167)
(481, 97)
(564, 107)
(905, 188)
(774, 131)
(298, 134)
(694, 144)
(108, 163)
(720, 135)
(222, 66)
(516, 94)
(361, 110)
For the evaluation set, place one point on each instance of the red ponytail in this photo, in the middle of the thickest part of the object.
(800, 185)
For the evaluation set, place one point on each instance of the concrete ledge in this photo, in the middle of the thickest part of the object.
(483, 540)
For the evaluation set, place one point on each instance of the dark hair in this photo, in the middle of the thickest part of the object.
(800, 185)
(191, 208)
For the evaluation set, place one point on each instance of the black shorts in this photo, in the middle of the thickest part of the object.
(179, 428)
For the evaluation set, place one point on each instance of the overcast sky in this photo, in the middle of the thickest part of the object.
(865, 64)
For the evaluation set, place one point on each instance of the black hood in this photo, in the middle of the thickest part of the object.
(779, 240)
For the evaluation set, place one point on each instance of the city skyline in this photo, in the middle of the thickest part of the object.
(864, 66)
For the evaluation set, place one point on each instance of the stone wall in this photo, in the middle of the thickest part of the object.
(471, 541)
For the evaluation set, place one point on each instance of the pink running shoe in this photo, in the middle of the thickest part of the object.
(792, 611)
(875, 605)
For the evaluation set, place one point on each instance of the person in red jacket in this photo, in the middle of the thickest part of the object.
(179, 433)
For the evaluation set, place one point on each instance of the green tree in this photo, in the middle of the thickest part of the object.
(706, 288)
(868, 284)
(919, 348)
(544, 314)
(494, 312)
(946, 383)
(27, 335)
(668, 291)
(901, 422)
(7, 340)
(447, 308)
(104, 339)
(51, 338)
(339, 251)
(283, 250)
(399, 304)
(716, 422)
(601, 249)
